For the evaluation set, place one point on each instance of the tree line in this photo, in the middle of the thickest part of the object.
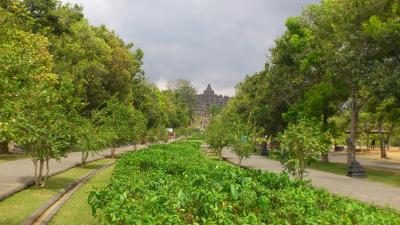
(336, 66)
(66, 85)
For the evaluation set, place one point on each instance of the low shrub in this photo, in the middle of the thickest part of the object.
(177, 184)
(198, 135)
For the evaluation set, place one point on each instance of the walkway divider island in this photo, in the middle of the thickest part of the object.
(354, 188)
(19, 174)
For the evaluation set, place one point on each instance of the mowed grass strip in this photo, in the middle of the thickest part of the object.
(76, 210)
(14, 209)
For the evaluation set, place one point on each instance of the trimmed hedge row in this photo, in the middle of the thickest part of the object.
(176, 184)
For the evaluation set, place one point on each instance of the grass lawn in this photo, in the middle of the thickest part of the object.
(14, 209)
(11, 157)
(76, 210)
(387, 177)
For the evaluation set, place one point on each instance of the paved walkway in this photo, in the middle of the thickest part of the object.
(18, 174)
(366, 191)
(384, 164)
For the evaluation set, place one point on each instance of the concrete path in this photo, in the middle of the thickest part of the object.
(355, 188)
(384, 164)
(18, 174)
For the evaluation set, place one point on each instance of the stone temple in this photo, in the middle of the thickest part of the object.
(206, 100)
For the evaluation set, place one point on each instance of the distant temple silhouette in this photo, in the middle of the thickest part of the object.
(206, 100)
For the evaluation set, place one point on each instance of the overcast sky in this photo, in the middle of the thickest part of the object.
(204, 41)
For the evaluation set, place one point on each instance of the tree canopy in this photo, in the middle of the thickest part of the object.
(338, 59)
(66, 84)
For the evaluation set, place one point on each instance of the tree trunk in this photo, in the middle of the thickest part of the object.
(47, 173)
(367, 140)
(85, 156)
(382, 139)
(301, 169)
(39, 178)
(240, 160)
(325, 155)
(389, 135)
(348, 142)
(113, 152)
(83, 159)
(4, 147)
(354, 125)
(35, 164)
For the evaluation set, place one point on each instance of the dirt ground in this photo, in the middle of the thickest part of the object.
(393, 153)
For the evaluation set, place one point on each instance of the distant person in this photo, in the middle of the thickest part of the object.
(373, 144)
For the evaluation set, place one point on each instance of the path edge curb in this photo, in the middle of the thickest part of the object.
(32, 182)
(38, 212)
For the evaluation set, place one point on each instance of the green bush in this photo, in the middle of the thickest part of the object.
(198, 135)
(218, 136)
(300, 143)
(186, 131)
(176, 184)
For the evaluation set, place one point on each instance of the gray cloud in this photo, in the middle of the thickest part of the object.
(204, 41)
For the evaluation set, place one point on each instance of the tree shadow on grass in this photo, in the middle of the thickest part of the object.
(55, 184)
(92, 166)
(59, 181)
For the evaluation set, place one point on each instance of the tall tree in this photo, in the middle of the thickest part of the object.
(124, 124)
(185, 94)
(218, 135)
(24, 62)
(350, 53)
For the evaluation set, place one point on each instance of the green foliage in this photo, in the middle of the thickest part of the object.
(25, 65)
(332, 61)
(218, 135)
(186, 131)
(171, 108)
(124, 122)
(243, 139)
(197, 136)
(301, 143)
(90, 136)
(252, 103)
(53, 17)
(157, 134)
(177, 112)
(66, 84)
(242, 136)
(149, 100)
(32, 109)
(186, 95)
(99, 63)
(177, 184)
